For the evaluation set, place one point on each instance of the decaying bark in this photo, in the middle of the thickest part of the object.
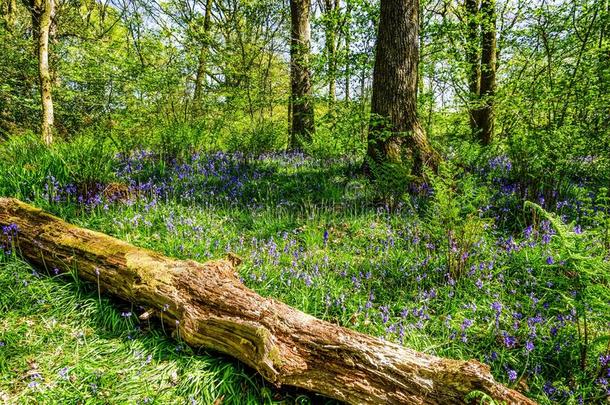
(211, 308)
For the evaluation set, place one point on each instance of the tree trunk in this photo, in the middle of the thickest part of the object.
(484, 115)
(347, 26)
(394, 127)
(331, 8)
(207, 306)
(203, 56)
(9, 8)
(300, 78)
(43, 12)
(473, 59)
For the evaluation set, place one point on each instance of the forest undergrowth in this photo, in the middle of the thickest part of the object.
(474, 262)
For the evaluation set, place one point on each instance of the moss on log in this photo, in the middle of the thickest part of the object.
(211, 308)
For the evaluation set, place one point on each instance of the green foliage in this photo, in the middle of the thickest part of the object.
(483, 398)
(31, 169)
(455, 217)
(267, 137)
(391, 180)
(340, 133)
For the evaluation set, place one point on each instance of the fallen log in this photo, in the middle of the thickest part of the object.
(210, 308)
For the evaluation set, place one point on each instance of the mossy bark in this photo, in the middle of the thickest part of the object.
(395, 131)
(301, 91)
(209, 307)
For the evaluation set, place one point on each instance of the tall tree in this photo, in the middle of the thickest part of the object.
(395, 131)
(203, 54)
(42, 12)
(487, 87)
(330, 9)
(481, 29)
(8, 9)
(473, 57)
(347, 22)
(302, 126)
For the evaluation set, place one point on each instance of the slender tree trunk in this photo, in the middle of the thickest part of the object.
(203, 56)
(364, 98)
(331, 7)
(473, 59)
(42, 12)
(395, 132)
(206, 306)
(302, 126)
(485, 114)
(420, 63)
(348, 71)
(8, 9)
(603, 67)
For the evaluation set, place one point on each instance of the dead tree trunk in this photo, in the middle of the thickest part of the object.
(209, 307)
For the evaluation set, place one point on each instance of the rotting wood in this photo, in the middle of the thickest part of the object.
(210, 308)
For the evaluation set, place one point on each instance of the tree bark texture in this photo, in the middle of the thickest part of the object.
(43, 12)
(488, 70)
(302, 126)
(8, 9)
(482, 117)
(395, 128)
(203, 55)
(473, 58)
(347, 46)
(209, 307)
(331, 15)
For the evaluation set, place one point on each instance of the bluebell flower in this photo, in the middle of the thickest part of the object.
(63, 373)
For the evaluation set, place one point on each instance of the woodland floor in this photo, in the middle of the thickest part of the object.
(458, 268)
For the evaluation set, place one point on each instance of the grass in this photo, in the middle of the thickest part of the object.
(458, 268)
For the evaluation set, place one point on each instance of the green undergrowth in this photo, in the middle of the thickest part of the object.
(459, 267)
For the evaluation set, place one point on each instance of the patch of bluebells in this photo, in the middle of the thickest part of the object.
(8, 237)
(203, 178)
